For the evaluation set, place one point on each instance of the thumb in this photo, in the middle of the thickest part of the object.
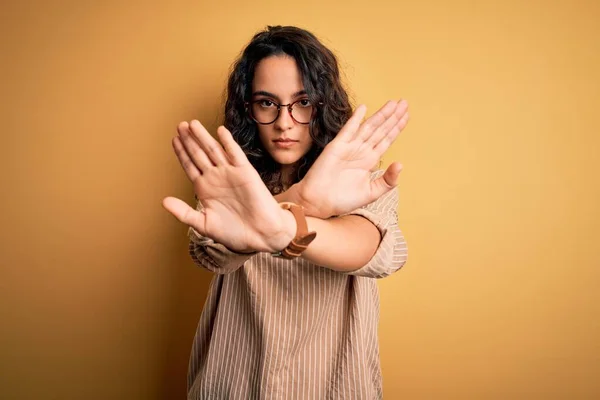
(387, 181)
(392, 173)
(184, 213)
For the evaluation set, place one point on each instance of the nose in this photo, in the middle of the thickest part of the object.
(284, 121)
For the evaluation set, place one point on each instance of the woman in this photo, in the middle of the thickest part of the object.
(303, 325)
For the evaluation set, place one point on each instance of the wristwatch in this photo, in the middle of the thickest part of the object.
(303, 237)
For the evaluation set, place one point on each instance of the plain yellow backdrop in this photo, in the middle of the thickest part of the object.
(499, 195)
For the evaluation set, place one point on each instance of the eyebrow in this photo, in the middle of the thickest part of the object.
(263, 93)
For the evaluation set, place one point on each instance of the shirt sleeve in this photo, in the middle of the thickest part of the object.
(392, 252)
(214, 256)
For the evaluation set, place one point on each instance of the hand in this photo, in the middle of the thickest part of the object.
(340, 179)
(239, 211)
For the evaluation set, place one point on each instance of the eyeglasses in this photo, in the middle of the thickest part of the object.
(266, 112)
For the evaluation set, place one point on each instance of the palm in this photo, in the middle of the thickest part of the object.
(348, 171)
(237, 210)
(237, 206)
(340, 179)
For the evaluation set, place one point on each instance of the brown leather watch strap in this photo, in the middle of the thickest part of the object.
(303, 237)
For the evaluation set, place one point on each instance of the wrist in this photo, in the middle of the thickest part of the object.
(298, 196)
(302, 236)
(288, 231)
(289, 196)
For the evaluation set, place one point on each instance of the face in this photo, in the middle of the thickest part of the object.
(278, 80)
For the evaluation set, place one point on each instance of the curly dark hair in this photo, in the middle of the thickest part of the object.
(321, 77)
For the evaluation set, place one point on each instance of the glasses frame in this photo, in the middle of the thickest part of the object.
(279, 106)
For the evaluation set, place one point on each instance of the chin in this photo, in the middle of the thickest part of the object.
(285, 159)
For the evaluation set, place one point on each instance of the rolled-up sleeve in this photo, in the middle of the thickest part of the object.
(214, 256)
(392, 253)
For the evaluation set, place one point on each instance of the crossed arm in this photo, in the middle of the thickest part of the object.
(339, 184)
(347, 243)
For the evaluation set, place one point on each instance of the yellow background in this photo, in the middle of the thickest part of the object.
(499, 196)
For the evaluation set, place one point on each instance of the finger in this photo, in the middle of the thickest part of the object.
(193, 150)
(211, 147)
(389, 124)
(392, 173)
(387, 140)
(234, 151)
(349, 129)
(387, 181)
(183, 126)
(191, 169)
(376, 120)
(186, 214)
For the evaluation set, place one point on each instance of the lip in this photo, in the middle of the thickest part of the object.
(284, 144)
(284, 140)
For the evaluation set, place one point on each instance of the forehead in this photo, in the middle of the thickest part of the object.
(278, 75)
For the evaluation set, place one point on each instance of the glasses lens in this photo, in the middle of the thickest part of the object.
(302, 111)
(264, 111)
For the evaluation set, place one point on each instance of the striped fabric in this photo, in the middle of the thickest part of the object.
(288, 329)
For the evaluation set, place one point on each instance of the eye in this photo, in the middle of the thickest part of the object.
(304, 103)
(266, 103)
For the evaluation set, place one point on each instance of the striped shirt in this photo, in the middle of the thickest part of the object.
(273, 328)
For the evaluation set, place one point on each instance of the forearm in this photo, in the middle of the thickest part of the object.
(366, 243)
(342, 244)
